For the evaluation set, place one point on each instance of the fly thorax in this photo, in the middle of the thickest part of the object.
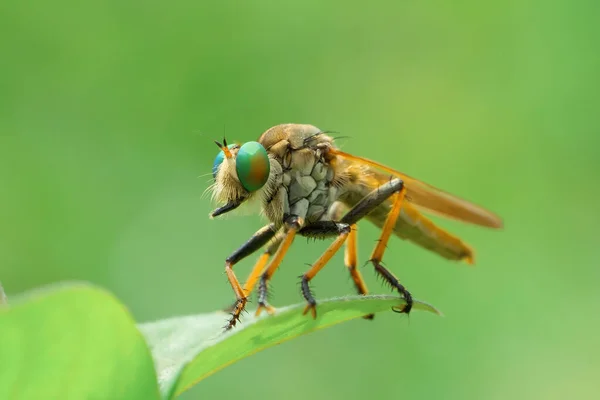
(307, 181)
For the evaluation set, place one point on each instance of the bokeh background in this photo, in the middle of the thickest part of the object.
(108, 111)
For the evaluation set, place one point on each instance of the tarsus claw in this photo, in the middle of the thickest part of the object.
(312, 308)
(263, 306)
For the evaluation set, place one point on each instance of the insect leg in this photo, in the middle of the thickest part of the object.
(258, 240)
(259, 267)
(321, 230)
(292, 226)
(350, 261)
(350, 254)
(394, 187)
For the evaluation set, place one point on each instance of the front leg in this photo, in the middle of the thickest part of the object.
(258, 240)
(321, 230)
(292, 226)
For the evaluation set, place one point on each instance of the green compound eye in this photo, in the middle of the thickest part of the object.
(252, 166)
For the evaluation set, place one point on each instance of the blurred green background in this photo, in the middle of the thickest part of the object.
(108, 111)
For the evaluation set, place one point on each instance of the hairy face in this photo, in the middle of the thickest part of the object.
(240, 171)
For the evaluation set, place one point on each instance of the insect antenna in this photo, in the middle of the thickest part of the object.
(224, 148)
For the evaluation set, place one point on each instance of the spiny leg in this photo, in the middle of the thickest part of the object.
(258, 240)
(394, 187)
(321, 230)
(259, 267)
(292, 226)
(350, 258)
(377, 255)
(350, 254)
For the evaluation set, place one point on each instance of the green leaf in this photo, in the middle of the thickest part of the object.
(188, 349)
(72, 341)
(78, 341)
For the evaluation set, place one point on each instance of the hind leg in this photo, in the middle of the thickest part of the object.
(394, 188)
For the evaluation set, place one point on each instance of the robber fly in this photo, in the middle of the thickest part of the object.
(309, 187)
